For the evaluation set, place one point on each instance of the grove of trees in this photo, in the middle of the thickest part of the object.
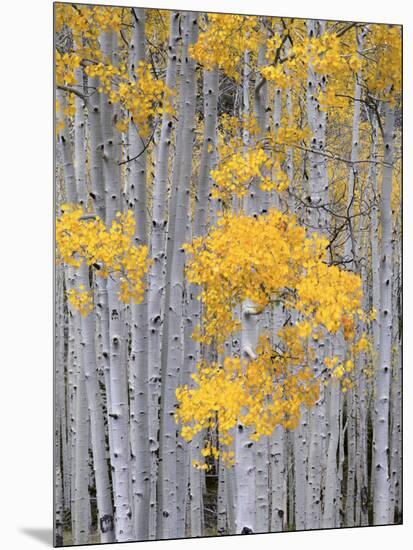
(228, 274)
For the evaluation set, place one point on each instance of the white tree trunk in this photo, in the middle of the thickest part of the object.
(138, 362)
(105, 518)
(157, 273)
(349, 249)
(383, 374)
(79, 151)
(278, 479)
(192, 348)
(81, 502)
(172, 338)
(245, 467)
(119, 412)
(331, 487)
(300, 469)
(318, 220)
(89, 361)
(66, 153)
(351, 459)
(59, 413)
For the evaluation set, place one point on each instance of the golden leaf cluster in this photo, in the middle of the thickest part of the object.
(110, 251)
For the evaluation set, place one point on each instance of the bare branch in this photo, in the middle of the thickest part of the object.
(73, 91)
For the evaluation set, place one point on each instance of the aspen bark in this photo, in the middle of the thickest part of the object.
(66, 152)
(81, 503)
(157, 274)
(138, 362)
(172, 331)
(119, 413)
(396, 384)
(59, 415)
(300, 469)
(331, 488)
(79, 151)
(382, 383)
(278, 479)
(351, 459)
(245, 467)
(97, 425)
(318, 197)
(96, 149)
(361, 413)
(89, 359)
(350, 245)
(192, 348)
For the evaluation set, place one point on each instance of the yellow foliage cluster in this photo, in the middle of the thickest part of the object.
(85, 23)
(261, 394)
(157, 26)
(329, 296)
(81, 299)
(66, 108)
(224, 42)
(325, 53)
(66, 64)
(341, 371)
(384, 75)
(328, 55)
(142, 98)
(234, 174)
(262, 259)
(241, 164)
(111, 251)
(88, 22)
(336, 58)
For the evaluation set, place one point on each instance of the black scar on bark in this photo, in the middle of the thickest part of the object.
(58, 536)
(364, 499)
(247, 531)
(106, 523)
(115, 315)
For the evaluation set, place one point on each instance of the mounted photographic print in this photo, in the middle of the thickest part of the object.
(228, 274)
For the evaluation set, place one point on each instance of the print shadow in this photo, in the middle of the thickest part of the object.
(42, 535)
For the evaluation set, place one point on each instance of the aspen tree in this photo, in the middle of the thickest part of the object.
(59, 414)
(396, 383)
(97, 426)
(245, 468)
(382, 385)
(172, 329)
(67, 154)
(192, 350)
(318, 197)
(80, 504)
(263, 450)
(139, 319)
(88, 345)
(157, 273)
(362, 409)
(352, 263)
(119, 413)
